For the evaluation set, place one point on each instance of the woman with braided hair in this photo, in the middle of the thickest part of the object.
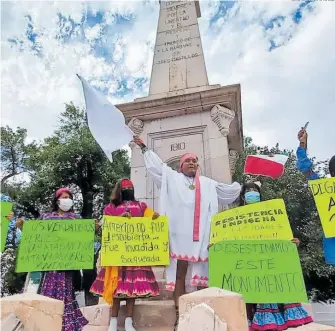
(127, 283)
(271, 316)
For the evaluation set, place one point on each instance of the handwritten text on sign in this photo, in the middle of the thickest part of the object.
(263, 220)
(324, 195)
(259, 270)
(6, 208)
(136, 241)
(56, 245)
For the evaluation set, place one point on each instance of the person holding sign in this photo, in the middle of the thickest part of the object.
(61, 285)
(271, 316)
(305, 165)
(13, 236)
(189, 200)
(116, 283)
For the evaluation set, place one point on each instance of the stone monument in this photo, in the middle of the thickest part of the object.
(183, 113)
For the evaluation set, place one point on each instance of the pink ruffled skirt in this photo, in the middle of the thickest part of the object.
(134, 282)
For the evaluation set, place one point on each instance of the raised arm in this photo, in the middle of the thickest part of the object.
(304, 164)
(153, 162)
(228, 193)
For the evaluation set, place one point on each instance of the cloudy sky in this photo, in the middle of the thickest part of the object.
(281, 52)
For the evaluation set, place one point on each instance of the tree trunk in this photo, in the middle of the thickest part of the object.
(87, 189)
(87, 210)
(5, 178)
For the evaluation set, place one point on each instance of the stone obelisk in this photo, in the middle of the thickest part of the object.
(178, 49)
(183, 113)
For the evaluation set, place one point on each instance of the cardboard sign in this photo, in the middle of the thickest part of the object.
(324, 195)
(48, 245)
(263, 271)
(262, 220)
(136, 241)
(6, 208)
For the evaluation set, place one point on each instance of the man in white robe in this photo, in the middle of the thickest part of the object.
(189, 201)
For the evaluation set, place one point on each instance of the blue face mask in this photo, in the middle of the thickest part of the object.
(252, 197)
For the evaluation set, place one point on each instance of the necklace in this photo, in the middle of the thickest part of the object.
(191, 186)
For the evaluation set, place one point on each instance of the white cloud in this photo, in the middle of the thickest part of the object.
(285, 88)
(93, 33)
(281, 89)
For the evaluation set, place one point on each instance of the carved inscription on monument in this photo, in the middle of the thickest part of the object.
(178, 147)
(179, 37)
(178, 57)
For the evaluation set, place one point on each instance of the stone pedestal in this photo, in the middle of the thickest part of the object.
(36, 312)
(207, 123)
(183, 113)
(229, 307)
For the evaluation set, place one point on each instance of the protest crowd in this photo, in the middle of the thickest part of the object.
(188, 201)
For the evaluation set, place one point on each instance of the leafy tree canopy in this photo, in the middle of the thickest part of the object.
(14, 152)
(69, 157)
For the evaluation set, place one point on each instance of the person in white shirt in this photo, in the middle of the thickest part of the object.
(189, 201)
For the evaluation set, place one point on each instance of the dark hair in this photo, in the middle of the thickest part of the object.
(247, 186)
(117, 197)
(332, 166)
(55, 205)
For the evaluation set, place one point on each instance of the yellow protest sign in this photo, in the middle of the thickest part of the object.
(262, 220)
(136, 241)
(324, 196)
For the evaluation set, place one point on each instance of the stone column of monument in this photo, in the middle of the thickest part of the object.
(183, 113)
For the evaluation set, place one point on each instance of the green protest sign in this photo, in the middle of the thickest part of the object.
(6, 208)
(48, 245)
(263, 271)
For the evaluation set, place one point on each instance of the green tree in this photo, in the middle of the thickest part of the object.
(14, 152)
(304, 219)
(11, 282)
(71, 157)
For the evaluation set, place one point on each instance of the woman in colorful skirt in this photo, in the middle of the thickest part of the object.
(61, 285)
(271, 316)
(128, 283)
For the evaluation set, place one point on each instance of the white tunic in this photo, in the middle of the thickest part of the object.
(177, 201)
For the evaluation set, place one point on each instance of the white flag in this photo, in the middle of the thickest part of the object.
(106, 122)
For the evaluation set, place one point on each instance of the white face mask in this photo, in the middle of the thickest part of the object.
(65, 204)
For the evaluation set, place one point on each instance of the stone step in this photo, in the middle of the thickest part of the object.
(309, 327)
(160, 278)
(95, 328)
(163, 293)
(151, 314)
(147, 314)
(159, 272)
(104, 328)
(313, 327)
(154, 316)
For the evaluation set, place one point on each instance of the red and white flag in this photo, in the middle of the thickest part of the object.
(265, 165)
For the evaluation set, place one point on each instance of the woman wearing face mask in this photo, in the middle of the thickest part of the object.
(61, 285)
(128, 283)
(271, 316)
